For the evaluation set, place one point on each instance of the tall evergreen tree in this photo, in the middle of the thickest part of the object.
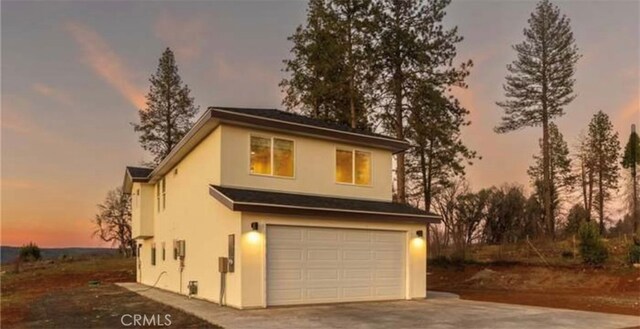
(585, 176)
(414, 48)
(630, 161)
(170, 110)
(604, 148)
(562, 178)
(438, 154)
(506, 213)
(540, 83)
(332, 71)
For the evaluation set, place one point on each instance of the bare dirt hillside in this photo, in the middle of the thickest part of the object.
(611, 290)
(78, 293)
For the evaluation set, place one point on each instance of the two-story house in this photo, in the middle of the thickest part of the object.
(299, 210)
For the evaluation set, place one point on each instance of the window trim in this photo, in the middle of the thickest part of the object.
(271, 139)
(353, 151)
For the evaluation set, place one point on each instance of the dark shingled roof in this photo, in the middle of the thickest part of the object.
(139, 173)
(300, 119)
(266, 201)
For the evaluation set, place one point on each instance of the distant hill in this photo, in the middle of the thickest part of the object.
(9, 254)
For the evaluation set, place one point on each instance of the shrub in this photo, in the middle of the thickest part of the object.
(592, 249)
(634, 253)
(30, 252)
(567, 254)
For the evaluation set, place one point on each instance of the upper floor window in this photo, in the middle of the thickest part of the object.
(164, 194)
(161, 194)
(158, 196)
(353, 167)
(272, 156)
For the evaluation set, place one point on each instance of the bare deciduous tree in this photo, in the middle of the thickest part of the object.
(113, 221)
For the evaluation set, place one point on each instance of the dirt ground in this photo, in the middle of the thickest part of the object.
(80, 294)
(571, 287)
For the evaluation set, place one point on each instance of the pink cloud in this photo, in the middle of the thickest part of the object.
(15, 122)
(53, 93)
(17, 184)
(106, 63)
(185, 35)
(626, 116)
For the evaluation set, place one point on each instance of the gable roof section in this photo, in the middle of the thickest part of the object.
(271, 119)
(238, 199)
(135, 174)
(139, 173)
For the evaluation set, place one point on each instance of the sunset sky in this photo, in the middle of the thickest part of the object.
(74, 74)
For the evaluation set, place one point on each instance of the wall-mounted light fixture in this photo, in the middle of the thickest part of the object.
(254, 226)
(420, 233)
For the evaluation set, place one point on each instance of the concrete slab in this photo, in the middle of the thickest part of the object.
(437, 313)
(441, 295)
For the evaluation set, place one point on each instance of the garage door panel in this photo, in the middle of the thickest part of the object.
(322, 254)
(358, 264)
(287, 254)
(358, 255)
(386, 291)
(385, 254)
(357, 292)
(287, 234)
(322, 265)
(287, 274)
(351, 274)
(320, 235)
(387, 274)
(287, 295)
(357, 236)
(322, 274)
(322, 293)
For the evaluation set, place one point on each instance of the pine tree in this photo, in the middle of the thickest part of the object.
(332, 71)
(585, 174)
(438, 154)
(315, 67)
(562, 178)
(630, 161)
(170, 110)
(604, 149)
(414, 48)
(541, 82)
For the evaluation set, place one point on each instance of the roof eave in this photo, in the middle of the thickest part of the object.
(213, 116)
(321, 212)
(392, 144)
(128, 181)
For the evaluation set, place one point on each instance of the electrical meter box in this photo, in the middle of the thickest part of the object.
(223, 264)
(181, 248)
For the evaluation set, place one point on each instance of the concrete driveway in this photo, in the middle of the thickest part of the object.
(439, 311)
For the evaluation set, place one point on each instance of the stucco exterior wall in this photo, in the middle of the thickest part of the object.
(253, 252)
(142, 210)
(191, 214)
(314, 164)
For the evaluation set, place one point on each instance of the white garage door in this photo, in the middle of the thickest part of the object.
(308, 265)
